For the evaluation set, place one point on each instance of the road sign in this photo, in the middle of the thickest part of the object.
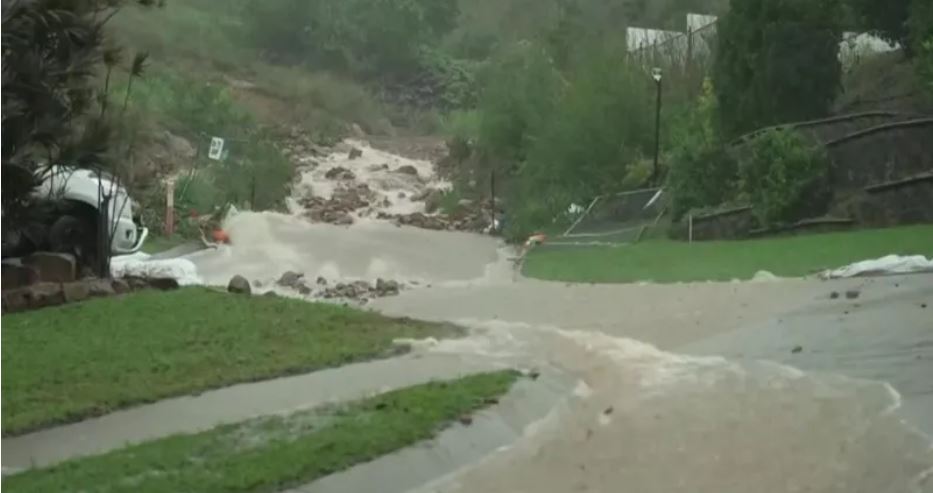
(216, 151)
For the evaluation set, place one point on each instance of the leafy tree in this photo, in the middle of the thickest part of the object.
(520, 92)
(776, 62)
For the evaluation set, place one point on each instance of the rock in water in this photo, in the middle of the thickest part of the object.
(407, 170)
(339, 173)
(239, 285)
(291, 279)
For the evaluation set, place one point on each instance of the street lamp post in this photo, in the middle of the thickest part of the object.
(655, 175)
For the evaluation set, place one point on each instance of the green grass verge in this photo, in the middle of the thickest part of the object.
(274, 453)
(75, 361)
(669, 261)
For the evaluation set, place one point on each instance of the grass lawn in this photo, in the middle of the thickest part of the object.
(157, 243)
(274, 453)
(670, 261)
(75, 361)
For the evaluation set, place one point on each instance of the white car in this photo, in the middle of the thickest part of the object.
(77, 194)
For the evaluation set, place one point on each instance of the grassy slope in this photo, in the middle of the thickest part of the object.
(668, 261)
(206, 41)
(274, 453)
(75, 361)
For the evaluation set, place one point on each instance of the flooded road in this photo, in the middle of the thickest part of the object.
(702, 388)
(708, 387)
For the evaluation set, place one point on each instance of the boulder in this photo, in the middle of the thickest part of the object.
(53, 267)
(291, 279)
(407, 170)
(355, 153)
(17, 276)
(76, 291)
(432, 200)
(386, 287)
(119, 286)
(339, 173)
(239, 285)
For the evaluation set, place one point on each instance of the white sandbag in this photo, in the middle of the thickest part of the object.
(892, 264)
(139, 265)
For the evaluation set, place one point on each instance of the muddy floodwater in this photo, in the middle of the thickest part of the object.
(708, 387)
(704, 388)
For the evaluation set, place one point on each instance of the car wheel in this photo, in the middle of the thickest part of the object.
(74, 235)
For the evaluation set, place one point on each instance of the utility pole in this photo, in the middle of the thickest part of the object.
(655, 174)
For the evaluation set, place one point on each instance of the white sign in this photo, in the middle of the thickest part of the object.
(217, 148)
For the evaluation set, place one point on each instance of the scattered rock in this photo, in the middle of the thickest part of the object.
(378, 167)
(321, 281)
(432, 200)
(797, 350)
(853, 294)
(339, 173)
(608, 411)
(52, 267)
(466, 420)
(355, 153)
(386, 288)
(361, 290)
(401, 195)
(834, 295)
(239, 285)
(407, 170)
(290, 279)
(923, 305)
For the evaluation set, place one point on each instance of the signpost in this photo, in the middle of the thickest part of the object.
(216, 151)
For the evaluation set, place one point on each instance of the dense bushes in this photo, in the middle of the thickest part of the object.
(783, 175)
(366, 37)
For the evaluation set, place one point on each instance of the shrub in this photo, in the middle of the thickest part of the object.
(702, 173)
(784, 177)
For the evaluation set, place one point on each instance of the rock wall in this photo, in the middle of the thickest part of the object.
(904, 202)
(881, 154)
